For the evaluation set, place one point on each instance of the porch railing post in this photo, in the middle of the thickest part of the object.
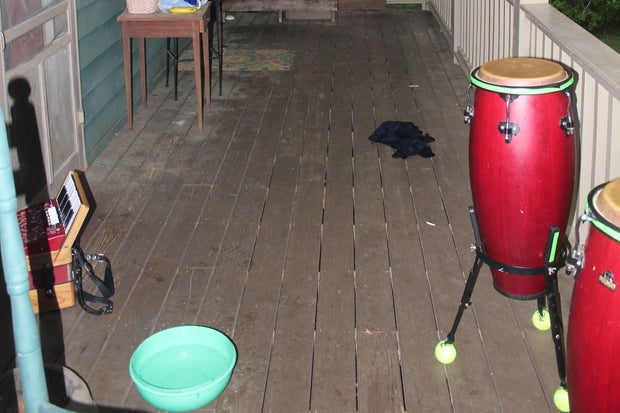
(516, 20)
(25, 332)
(457, 9)
(516, 35)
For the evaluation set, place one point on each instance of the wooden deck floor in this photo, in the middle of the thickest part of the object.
(334, 267)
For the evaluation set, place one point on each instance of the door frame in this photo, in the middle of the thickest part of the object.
(55, 170)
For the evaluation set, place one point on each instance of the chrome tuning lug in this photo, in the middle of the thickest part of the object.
(574, 263)
(468, 113)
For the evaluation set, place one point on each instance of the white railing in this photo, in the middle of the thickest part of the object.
(484, 30)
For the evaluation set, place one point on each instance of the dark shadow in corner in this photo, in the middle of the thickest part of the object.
(30, 179)
(66, 389)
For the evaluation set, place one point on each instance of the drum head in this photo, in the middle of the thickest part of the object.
(522, 72)
(607, 202)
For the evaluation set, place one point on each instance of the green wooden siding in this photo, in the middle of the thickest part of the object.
(101, 71)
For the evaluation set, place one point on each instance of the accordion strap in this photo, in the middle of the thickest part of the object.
(81, 262)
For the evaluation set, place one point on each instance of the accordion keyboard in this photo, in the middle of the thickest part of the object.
(50, 229)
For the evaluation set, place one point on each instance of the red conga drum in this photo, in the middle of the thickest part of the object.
(522, 166)
(594, 321)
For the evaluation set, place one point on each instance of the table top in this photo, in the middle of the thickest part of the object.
(159, 15)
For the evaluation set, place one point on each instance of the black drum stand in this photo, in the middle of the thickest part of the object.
(445, 351)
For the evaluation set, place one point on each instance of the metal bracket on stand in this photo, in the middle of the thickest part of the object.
(554, 304)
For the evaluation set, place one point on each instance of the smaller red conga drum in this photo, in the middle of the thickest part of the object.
(594, 321)
(522, 167)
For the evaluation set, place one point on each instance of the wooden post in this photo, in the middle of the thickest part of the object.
(25, 331)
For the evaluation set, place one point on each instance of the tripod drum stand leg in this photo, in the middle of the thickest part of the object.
(445, 351)
(560, 397)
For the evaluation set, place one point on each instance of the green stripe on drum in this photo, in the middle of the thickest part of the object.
(602, 225)
(525, 90)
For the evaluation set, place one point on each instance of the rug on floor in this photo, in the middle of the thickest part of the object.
(236, 60)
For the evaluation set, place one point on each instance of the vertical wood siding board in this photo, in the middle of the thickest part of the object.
(588, 130)
(103, 38)
(92, 16)
(614, 152)
(602, 149)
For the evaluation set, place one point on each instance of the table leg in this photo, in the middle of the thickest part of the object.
(198, 78)
(142, 56)
(206, 67)
(127, 68)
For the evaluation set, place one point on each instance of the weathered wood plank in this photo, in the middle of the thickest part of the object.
(237, 131)
(290, 371)
(374, 306)
(305, 136)
(236, 254)
(334, 380)
(257, 315)
(380, 386)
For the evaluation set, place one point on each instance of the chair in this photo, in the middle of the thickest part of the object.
(172, 48)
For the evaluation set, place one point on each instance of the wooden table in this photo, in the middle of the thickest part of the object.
(163, 25)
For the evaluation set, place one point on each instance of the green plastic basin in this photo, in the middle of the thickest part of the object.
(183, 368)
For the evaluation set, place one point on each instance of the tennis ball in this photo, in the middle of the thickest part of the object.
(445, 352)
(560, 398)
(542, 321)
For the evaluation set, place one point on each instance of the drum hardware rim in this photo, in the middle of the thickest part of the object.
(508, 128)
(524, 271)
(566, 123)
(598, 220)
(522, 90)
(468, 113)
(576, 261)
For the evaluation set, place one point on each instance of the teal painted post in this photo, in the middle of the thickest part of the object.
(25, 331)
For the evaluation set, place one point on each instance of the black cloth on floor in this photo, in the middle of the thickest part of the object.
(405, 137)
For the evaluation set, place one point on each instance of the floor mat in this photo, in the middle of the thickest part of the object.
(236, 60)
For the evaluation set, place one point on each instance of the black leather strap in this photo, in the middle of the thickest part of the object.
(105, 286)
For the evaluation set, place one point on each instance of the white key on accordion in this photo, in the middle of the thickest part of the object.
(52, 216)
(68, 202)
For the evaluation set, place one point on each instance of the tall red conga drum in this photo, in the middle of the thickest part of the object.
(594, 321)
(522, 166)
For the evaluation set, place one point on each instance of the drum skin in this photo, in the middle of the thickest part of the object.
(593, 362)
(521, 188)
